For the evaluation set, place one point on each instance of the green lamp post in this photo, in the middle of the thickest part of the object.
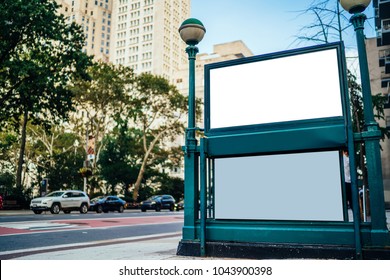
(192, 32)
(371, 135)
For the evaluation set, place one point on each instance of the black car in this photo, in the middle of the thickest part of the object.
(180, 205)
(158, 202)
(107, 203)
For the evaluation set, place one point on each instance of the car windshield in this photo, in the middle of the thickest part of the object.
(154, 197)
(54, 194)
(97, 198)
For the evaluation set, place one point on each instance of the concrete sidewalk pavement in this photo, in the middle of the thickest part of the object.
(152, 249)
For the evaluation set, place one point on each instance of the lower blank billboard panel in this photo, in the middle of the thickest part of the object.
(301, 187)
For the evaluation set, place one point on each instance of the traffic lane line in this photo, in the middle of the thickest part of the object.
(80, 224)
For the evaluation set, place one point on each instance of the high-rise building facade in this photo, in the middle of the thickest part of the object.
(146, 35)
(378, 54)
(95, 18)
(141, 34)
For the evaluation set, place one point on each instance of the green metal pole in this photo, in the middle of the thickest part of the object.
(191, 51)
(371, 137)
(191, 159)
(354, 181)
(203, 197)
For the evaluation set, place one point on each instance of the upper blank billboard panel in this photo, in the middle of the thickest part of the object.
(269, 89)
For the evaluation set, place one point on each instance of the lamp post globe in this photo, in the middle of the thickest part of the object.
(355, 6)
(192, 31)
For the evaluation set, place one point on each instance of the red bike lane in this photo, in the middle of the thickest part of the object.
(29, 227)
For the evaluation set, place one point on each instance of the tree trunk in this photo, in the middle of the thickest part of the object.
(139, 178)
(143, 165)
(21, 152)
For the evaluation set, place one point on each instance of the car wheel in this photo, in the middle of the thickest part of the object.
(143, 210)
(37, 211)
(55, 208)
(99, 209)
(120, 210)
(84, 208)
(158, 208)
(66, 211)
(172, 207)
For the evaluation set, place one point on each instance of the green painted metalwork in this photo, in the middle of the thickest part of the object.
(320, 135)
(203, 197)
(333, 133)
(314, 233)
(371, 137)
(191, 159)
(352, 165)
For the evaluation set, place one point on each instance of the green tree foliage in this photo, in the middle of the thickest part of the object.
(141, 144)
(101, 98)
(119, 159)
(173, 186)
(147, 115)
(8, 148)
(40, 54)
(65, 173)
(7, 180)
(57, 157)
(7, 142)
(157, 109)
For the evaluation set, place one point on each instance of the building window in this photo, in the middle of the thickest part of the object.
(387, 104)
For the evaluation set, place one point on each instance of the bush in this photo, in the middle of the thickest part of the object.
(17, 199)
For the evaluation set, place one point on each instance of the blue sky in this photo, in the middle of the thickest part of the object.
(264, 26)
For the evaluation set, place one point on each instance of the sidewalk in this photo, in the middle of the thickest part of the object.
(158, 249)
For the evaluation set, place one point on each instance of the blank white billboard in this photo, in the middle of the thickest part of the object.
(290, 88)
(301, 187)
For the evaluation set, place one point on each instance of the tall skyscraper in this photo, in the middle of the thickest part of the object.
(146, 35)
(141, 34)
(95, 17)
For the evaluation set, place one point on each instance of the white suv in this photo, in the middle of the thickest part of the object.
(61, 200)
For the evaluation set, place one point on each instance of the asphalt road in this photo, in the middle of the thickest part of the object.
(23, 231)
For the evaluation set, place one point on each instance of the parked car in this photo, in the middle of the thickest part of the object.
(158, 202)
(107, 203)
(66, 201)
(180, 205)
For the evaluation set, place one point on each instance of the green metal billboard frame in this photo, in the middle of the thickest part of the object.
(321, 134)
